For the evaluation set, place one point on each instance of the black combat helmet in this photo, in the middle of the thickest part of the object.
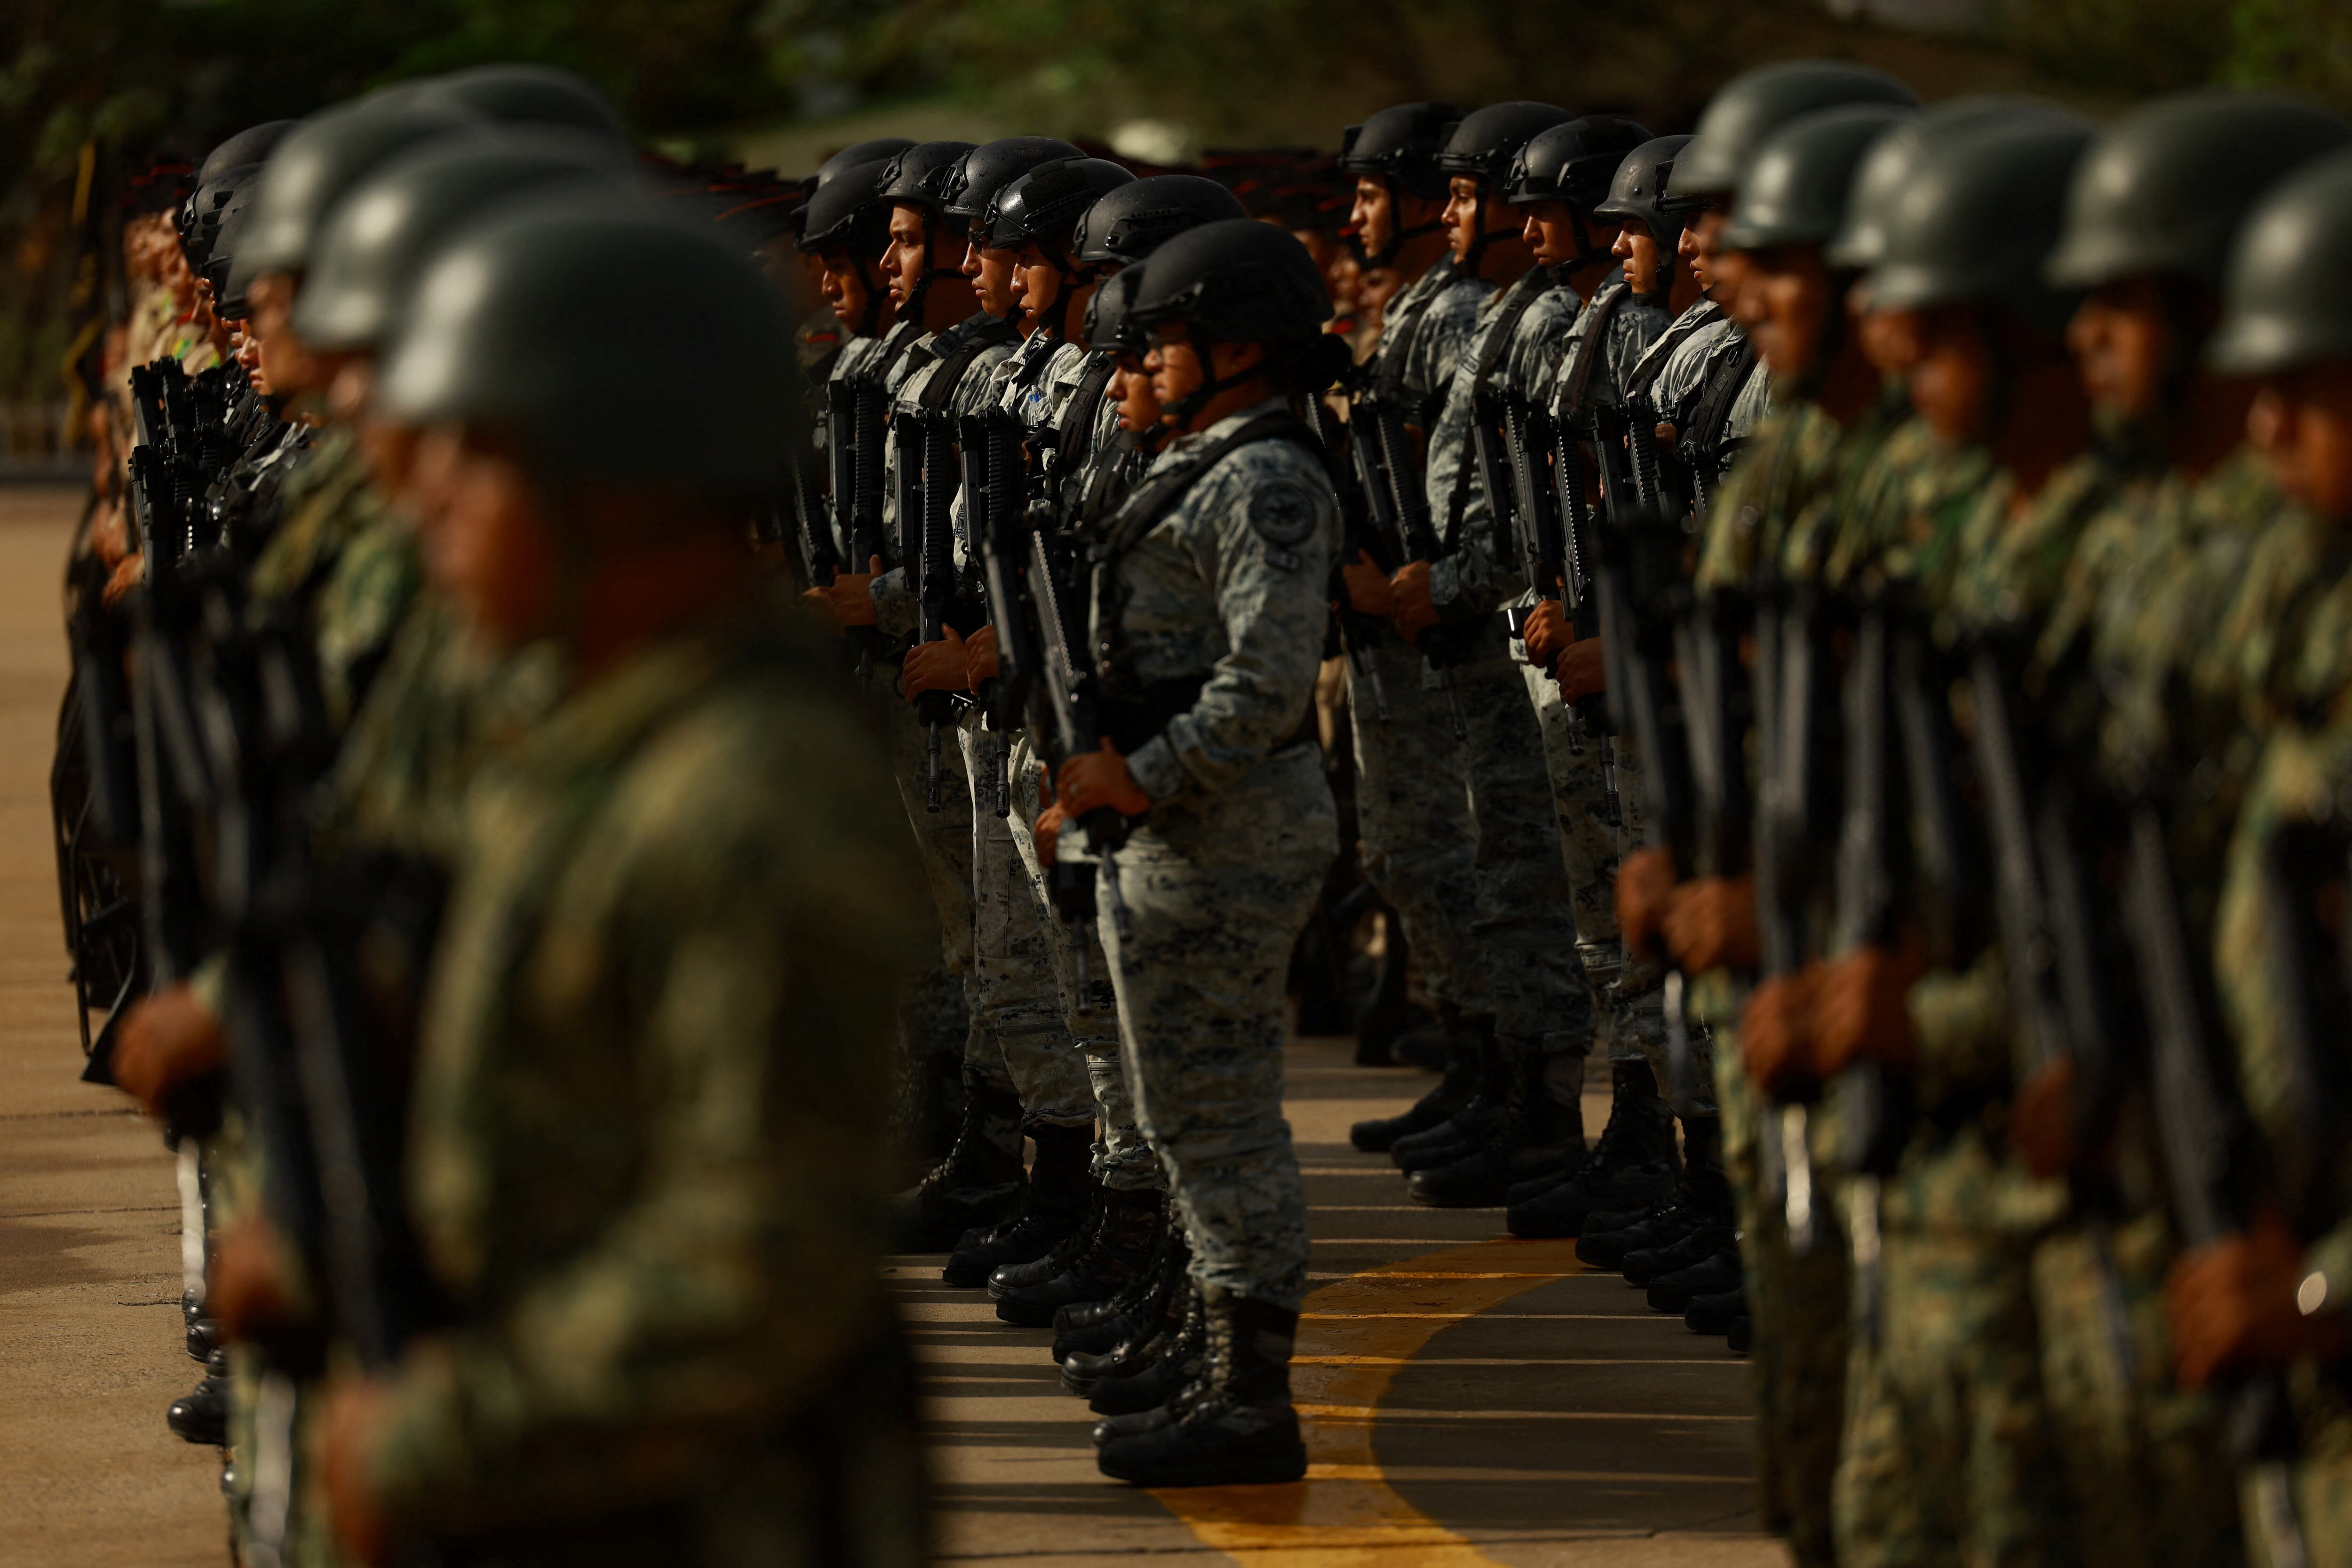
(1754, 103)
(1399, 145)
(2163, 191)
(918, 176)
(1048, 200)
(251, 145)
(1484, 144)
(849, 211)
(317, 164)
(1979, 220)
(1109, 329)
(2287, 299)
(1131, 222)
(1638, 187)
(200, 215)
(1574, 163)
(1240, 281)
(392, 224)
(856, 153)
(228, 234)
(1887, 168)
(525, 94)
(619, 344)
(1796, 186)
(991, 166)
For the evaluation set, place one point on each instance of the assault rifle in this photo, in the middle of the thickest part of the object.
(1356, 631)
(1388, 472)
(1072, 694)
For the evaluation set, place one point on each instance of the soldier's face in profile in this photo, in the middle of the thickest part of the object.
(2122, 340)
(289, 367)
(843, 286)
(1373, 217)
(1036, 285)
(907, 256)
(1889, 339)
(1465, 214)
(1952, 375)
(1714, 268)
(1638, 249)
(2302, 421)
(486, 540)
(1784, 301)
(1138, 410)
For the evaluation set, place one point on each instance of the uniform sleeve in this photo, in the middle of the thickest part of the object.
(1267, 554)
(1962, 1027)
(634, 1368)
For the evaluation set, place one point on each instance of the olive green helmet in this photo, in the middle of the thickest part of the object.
(619, 344)
(1795, 190)
(1978, 221)
(2287, 299)
(521, 93)
(1755, 103)
(2165, 189)
(383, 234)
(316, 165)
(1887, 168)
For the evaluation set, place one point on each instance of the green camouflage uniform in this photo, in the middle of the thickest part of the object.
(1948, 1455)
(2292, 672)
(647, 1115)
(1790, 476)
(1218, 879)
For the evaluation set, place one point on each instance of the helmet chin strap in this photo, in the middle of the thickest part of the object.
(1587, 253)
(1185, 407)
(1073, 279)
(1388, 253)
(923, 289)
(876, 291)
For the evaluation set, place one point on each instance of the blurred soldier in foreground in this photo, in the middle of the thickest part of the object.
(648, 1154)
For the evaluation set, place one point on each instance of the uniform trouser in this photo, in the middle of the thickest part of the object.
(1579, 760)
(1017, 1000)
(1416, 838)
(1524, 921)
(1217, 888)
(2146, 1471)
(1123, 1160)
(943, 841)
(1797, 1305)
(1948, 1455)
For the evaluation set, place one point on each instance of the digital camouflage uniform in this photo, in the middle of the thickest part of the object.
(1948, 1453)
(1526, 925)
(646, 1113)
(1791, 477)
(1218, 879)
(1568, 374)
(1417, 839)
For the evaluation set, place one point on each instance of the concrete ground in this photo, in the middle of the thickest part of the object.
(1469, 1401)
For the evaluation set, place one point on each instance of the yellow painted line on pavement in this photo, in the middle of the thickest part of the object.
(1353, 1337)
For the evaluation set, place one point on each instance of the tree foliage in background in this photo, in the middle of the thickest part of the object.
(124, 77)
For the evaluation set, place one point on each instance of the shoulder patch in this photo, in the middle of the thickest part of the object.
(1283, 510)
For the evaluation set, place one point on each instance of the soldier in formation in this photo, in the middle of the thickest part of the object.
(1842, 610)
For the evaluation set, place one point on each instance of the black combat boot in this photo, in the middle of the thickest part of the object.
(1154, 1329)
(1093, 1328)
(1474, 1123)
(1647, 1266)
(200, 1415)
(980, 1182)
(1063, 1253)
(1607, 1238)
(1237, 1428)
(1542, 1119)
(1107, 1265)
(1716, 1274)
(1155, 1390)
(1716, 1314)
(1464, 1071)
(1054, 1204)
(1633, 1163)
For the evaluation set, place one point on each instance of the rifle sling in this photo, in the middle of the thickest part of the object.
(1533, 285)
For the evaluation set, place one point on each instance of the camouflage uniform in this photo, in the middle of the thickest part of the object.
(1418, 838)
(1526, 925)
(1797, 471)
(1948, 1451)
(1218, 879)
(646, 1111)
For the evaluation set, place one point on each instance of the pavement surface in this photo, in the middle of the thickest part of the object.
(1469, 1401)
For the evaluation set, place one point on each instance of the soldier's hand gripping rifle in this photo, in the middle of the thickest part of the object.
(1020, 505)
(855, 428)
(1388, 468)
(930, 540)
(2200, 1126)
(1074, 700)
(1356, 629)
